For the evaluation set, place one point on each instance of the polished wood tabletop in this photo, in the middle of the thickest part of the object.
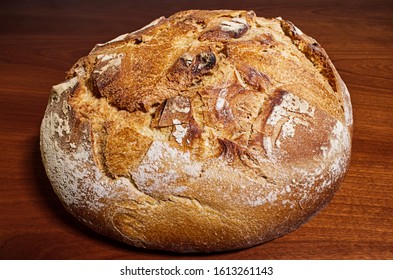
(39, 42)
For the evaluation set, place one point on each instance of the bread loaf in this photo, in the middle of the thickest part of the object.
(205, 131)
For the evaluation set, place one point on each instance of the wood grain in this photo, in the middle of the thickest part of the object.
(40, 40)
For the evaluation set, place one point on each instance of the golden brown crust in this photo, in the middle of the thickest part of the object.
(204, 131)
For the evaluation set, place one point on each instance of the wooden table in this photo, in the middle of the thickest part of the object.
(40, 40)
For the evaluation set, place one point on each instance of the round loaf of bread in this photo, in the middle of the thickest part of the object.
(205, 131)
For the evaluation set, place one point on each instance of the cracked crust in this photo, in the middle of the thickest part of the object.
(205, 131)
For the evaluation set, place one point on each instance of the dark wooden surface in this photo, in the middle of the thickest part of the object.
(40, 40)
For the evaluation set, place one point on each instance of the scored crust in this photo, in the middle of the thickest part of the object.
(205, 131)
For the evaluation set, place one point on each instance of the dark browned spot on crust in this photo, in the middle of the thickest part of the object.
(265, 39)
(193, 132)
(229, 149)
(102, 81)
(190, 67)
(204, 62)
(177, 110)
(253, 77)
(157, 115)
(274, 100)
(180, 72)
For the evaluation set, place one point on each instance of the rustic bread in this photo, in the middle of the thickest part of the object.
(205, 131)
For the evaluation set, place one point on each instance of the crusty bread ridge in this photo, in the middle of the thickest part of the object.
(205, 131)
